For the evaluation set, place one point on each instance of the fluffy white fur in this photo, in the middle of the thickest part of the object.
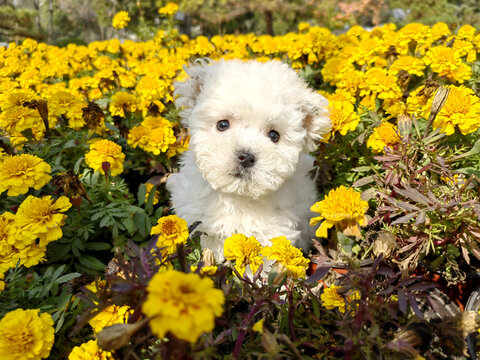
(271, 198)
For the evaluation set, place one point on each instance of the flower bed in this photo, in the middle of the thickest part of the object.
(89, 134)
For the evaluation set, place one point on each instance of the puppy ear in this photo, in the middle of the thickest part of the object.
(186, 93)
(317, 120)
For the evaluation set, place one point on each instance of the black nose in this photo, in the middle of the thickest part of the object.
(246, 159)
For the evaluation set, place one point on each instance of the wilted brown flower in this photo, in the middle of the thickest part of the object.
(69, 183)
(93, 115)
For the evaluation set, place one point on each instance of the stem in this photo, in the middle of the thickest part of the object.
(181, 257)
(291, 313)
(243, 330)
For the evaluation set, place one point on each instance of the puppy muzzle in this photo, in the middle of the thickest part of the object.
(246, 159)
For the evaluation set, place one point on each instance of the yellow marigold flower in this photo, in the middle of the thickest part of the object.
(20, 172)
(156, 197)
(169, 9)
(467, 32)
(244, 250)
(461, 109)
(3, 155)
(258, 326)
(331, 299)
(113, 314)
(8, 237)
(352, 82)
(442, 60)
(386, 134)
(342, 207)
(439, 30)
(160, 138)
(171, 231)
(105, 151)
(89, 351)
(184, 304)
(343, 116)
(377, 81)
(67, 104)
(206, 270)
(19, 118)
(26, 334)
(42, 218)
(303, 27)
(411, 64)
(287, 255)
(180, 146)
(138, 137)
(120, 20)
(123, 102)
(455, 180)
(16, 247)
(154, 134)
(2, 283)
(412, 32)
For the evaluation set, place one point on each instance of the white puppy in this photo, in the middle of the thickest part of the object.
(252, 126)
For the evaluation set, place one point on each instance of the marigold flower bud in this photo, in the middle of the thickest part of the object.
(208, 258)
(117, 335)
(404, 125)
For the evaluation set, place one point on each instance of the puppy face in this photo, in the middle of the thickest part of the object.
(249, 122)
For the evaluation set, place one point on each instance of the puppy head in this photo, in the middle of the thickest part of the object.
(249, 122)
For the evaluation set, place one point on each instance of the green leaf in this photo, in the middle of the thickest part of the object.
(98, 246)
(106, 221)
(60, 322)
(76, 167)
(139, 223)
(58, 272)
(67, 277)
(142, 192)
(69, 144)
(98, 215)
(129, 225)
(473, 151)
(91, 263)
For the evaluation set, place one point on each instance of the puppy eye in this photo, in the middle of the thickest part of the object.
(223, 125)
(274, 136)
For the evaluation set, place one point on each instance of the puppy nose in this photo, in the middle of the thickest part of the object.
(246, 159)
